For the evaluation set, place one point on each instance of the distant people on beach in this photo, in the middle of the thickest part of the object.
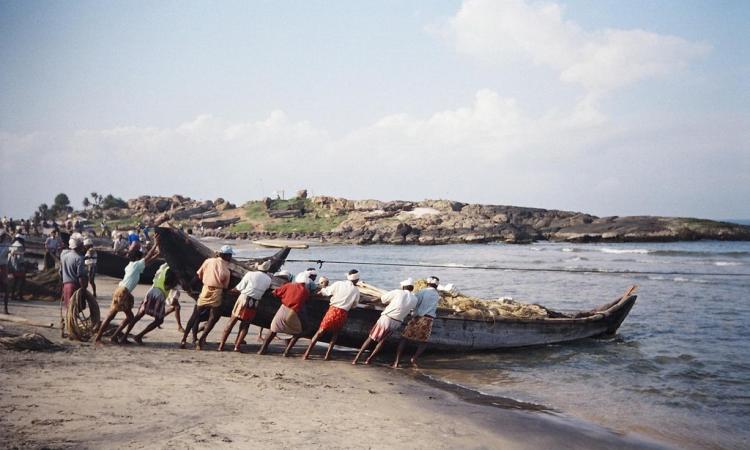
(90, 260)
(53, 245)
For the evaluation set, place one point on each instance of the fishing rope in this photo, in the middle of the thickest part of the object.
(515, 269)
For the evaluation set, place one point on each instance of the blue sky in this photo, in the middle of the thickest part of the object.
(607, 107)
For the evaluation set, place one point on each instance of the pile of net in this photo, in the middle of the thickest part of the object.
(477, 308)
(44, 285)
(28, 342)
(474, 307)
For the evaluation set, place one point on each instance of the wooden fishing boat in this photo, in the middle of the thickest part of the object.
(277, 243)
(450, 332)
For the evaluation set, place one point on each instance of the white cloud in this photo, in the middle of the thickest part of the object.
(599, 60)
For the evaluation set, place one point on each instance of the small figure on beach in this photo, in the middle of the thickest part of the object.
(90, 259)
(74, 274)
(251, 288)
(17, 266)
(215, 275)
(293, 297)
(122, 298)
(419, 328)
(344, 297)
(4, 250)
(120, 244)
(399, 303)
(52, 247)
(154, 304)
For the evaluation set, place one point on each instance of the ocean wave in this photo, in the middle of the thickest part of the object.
(618, 251)
(727, 263)
(738, 254)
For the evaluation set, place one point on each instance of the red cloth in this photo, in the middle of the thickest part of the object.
(293, 295)
(334, 319)
(68, 290)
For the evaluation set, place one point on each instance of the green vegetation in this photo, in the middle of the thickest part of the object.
(110, 201)
(313, 220)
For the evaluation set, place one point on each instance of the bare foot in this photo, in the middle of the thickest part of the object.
(199, 345)
(125, 341)
(394, 366)
(305, 356)
(221, 348)
(183, 345)
(138, 340)
(367, 362)
(238, 350)
(115, 340)
(180, 329)
(98, 343)
(414, 363)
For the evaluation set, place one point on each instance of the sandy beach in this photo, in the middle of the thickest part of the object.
(157, 396)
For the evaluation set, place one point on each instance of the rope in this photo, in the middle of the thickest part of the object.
(516, 269)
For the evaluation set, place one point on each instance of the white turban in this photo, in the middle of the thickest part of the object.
(432, 280)
(88, 241)
(74, 243)
(407, 282)
(301, 277)
(353, 276)
(265, 266)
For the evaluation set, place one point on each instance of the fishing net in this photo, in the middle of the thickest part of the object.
(478, 308)
(44, 285)
(82, 318)
(29, 342)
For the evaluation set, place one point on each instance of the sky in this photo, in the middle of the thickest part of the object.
(601, 106)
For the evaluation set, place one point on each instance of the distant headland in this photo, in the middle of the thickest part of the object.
(426, 222)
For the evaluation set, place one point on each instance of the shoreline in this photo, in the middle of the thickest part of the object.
(175, 384)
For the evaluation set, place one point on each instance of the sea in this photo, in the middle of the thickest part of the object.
(678, 370)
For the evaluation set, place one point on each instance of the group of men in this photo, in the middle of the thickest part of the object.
(289, 320)
(294, 293)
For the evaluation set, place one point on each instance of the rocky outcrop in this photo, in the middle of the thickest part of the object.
(432, 222)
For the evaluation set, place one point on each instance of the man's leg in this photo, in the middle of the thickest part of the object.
(126, 325)
(139, 337)
(314, 339)
(376, 350)
(266, 343)
(290, 345)
(399, 351)
(244, 326)
(192, 325)
(362, 349)
(225, 334)
(213, 317)
(111, 315)
(420, 349)
(330, 346)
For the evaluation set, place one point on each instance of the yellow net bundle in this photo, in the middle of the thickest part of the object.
(477, 308)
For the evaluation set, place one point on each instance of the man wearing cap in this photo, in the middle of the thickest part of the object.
(399, 303)
(344, 296)
(73, 269)
(251, 288)
(89, 260)
(286, 320)
(122, 297)
(215, 275)
(419, 328)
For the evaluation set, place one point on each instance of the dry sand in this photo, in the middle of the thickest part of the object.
(157, 396)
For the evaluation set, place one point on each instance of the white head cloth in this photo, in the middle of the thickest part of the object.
(352, 276)
(407, 282)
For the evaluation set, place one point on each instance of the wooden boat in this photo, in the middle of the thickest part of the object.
(113, 265)
(450, 332)
(276, 243)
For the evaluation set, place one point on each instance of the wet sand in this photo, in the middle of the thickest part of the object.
(158, 396)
